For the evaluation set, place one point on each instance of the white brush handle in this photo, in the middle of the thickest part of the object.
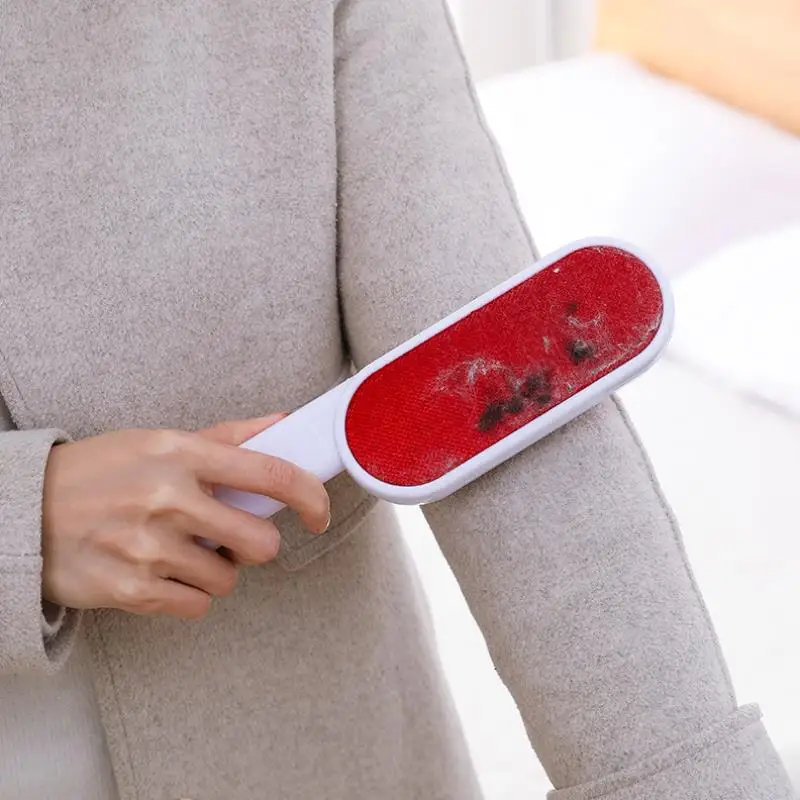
(306, 438)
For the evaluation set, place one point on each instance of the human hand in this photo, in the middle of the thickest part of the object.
(121, 512)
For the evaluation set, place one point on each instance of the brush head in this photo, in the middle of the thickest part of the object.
(502, 372)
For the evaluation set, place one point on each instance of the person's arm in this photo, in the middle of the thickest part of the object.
(568, 556)
(35, 636)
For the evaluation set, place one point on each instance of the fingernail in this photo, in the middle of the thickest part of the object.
(327, 524)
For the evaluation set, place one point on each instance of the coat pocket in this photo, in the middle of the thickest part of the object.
(349, 505)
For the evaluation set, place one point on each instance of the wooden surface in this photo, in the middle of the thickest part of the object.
(744, 52)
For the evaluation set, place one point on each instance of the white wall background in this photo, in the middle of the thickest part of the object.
(501, 36)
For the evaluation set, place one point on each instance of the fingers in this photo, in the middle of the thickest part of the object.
(184, 602)
(150, 596)
(273, 477)
(236, 432)
(199, 567)
(250, 539)
(167, 573)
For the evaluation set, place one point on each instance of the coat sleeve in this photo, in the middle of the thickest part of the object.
(567, 555)
(35, 636)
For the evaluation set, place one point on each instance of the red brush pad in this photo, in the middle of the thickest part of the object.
(503, 365)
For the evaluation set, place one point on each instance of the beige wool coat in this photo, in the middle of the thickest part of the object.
(208, 210)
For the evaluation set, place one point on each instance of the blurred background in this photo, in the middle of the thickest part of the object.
(674, 125)
(508, 35)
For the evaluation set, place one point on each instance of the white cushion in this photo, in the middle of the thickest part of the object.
(599, 146)
(737, 317)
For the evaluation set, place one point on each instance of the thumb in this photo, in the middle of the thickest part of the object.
(234, 432)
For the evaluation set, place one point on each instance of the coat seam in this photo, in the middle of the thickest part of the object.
(128, 753)
(13, 388)
(678, 541)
